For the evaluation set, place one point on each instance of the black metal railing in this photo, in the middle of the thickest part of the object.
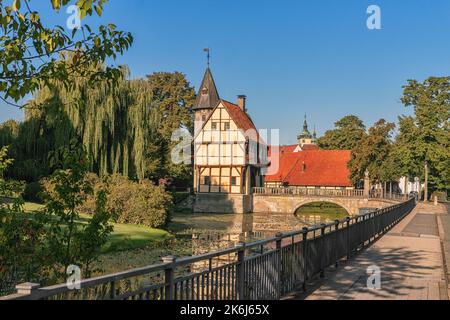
(266, 269)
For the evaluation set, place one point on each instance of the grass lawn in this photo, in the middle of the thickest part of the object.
(124, 237)
(128, 237)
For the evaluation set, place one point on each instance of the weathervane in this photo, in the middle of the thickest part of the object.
(207, 55)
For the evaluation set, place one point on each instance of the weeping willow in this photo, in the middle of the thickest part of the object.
(115, 123)
(125, 126)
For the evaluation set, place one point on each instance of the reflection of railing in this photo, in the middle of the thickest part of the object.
(297, 191)
(260, 270)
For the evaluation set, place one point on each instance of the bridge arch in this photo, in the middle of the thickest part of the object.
(290, 204)
(336, 202)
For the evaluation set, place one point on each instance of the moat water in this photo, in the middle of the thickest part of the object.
(202, 233)
(217, 231)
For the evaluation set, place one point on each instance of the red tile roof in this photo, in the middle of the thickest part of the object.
(284, 149)
(242, 120)
(310, 147)
(324, 168)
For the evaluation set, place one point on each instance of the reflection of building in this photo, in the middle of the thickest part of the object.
(228, 152)
(305, 165)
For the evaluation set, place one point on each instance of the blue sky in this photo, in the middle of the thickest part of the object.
(289, 57)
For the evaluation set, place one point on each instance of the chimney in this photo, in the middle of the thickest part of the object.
(241, 102)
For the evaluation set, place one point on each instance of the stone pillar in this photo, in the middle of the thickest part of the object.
(366, 184)
(248, 181)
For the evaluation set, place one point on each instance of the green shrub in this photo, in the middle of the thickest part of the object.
(32, 192)
(139, 203)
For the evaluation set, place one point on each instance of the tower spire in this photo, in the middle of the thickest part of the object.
(305, 125)
(207, 96)
(208, 56)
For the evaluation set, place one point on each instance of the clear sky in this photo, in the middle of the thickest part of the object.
(289, 57)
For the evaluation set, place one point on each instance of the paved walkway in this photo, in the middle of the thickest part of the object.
(411, 258)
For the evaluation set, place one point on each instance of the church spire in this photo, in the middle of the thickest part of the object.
(305, 126)
(207, 96)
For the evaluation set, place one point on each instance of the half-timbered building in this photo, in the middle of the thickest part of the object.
(228, 150)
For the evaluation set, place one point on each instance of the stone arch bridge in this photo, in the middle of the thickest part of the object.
(289, 200)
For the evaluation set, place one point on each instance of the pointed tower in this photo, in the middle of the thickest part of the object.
(315, 140)
(207, 100)
(305, 137)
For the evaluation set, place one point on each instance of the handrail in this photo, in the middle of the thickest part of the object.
(390, 215)
(312, 192)
(300, 191)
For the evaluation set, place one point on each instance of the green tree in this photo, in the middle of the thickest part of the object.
(347, 133)
(30, 47)
(23, 253)
(427, 135)
(126, 129)
(373, 153)
(404, 152)
(173, 98)
(70, 242)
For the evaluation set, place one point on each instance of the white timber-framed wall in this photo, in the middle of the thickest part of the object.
(220, 155)
(221, 158)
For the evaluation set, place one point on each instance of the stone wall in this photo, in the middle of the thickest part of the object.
(239, 203)
(222, 203)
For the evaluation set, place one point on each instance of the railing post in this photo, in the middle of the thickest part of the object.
(336, 229)
(347, 220)
(240, 276)
(112, 292)
(305, 257)
(279, 240)
(322, 234)
(169, 277)
(28, 290)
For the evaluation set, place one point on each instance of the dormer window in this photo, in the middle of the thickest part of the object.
(204, 91)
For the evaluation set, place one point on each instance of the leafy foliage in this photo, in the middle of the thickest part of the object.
(126, 129)
(347, 134)
(426, 136)
(30, 48)
(41, 248)
(372, 153)
(21, 256)
(139, 203)
(69, 242)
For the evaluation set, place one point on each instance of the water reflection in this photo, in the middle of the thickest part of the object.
(253, 227)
